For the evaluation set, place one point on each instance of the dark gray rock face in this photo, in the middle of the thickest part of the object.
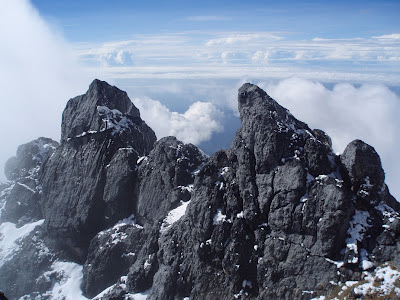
(364, 169)
(163, 183)
(164, 178)
(105, 108)
(111, 252)
(31, 260)
(20, 204)
(88, 183)
(372, 197)
(276, 216)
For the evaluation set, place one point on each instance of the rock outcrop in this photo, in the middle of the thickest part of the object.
(278, 215)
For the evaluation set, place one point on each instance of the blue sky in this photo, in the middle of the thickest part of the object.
(333, 64)
(357, 40)
(105, 20)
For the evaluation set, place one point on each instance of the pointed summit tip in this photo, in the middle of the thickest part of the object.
(251, 92)
(252, 100)
(87, 112)
(98, 84)
(248, 88)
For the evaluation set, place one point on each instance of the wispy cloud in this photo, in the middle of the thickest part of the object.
(266, 54)
(244, 39)
(393, 36)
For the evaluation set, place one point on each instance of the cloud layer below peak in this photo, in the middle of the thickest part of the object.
(195, 125)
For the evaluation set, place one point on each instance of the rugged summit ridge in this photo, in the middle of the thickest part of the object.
(276, 216)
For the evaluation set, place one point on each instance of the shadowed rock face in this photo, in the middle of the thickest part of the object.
(274, 216)
(165, 176)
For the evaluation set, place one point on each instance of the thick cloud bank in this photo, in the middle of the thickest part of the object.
(196, 125)
(37, 76)
(345, 112)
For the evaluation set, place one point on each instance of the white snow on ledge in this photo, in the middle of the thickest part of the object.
(113, 119)
(9, 236)
(383, 283)
(358, 226)
(219, 217)
(173, 216)
(69, 286)
(127, 221)
(122, 284)
(117, 234)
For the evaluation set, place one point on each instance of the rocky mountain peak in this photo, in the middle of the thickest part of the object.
(102, 107)
(254, 104)
(113, 98)
(273, 135)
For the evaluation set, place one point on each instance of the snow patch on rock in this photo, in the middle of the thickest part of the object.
(9, 237)
(122, 284)
(219, 217)
(173, 216)
(358, 226)
(69, 286)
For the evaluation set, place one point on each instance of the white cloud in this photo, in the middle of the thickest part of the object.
(117, 57)
(234, 57)
(369, 112)
(261, 57)
(37, 76)
(243, 38)
(196, 125)
(393, 36)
